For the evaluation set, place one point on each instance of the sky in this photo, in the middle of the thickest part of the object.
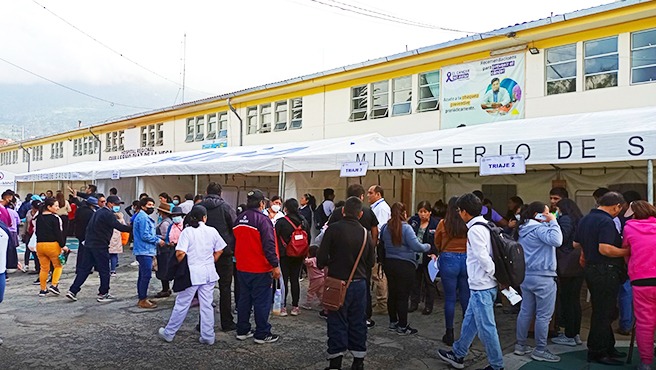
(229, 45)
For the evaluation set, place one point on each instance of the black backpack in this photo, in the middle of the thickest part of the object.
(508, 257)
(320, 217)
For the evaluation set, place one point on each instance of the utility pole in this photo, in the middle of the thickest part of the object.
(184, 64)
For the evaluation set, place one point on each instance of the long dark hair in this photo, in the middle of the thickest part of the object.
(312, 201)
(570, 208)
(48, 202)
(531, 209)
(168, 198)
(291, 205)
(61, 200)
(196, 215)
(453, 224)
(395, 223)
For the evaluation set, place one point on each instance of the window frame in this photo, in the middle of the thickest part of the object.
(252, 117)
(407, 103)
(222, 124)
(647, 47)
(190, 130)
(212, 128)
(295, 120)
(597, 56)
(435, 99)
(547, 65)
(379, 111)
(281, 125)
(360, 113)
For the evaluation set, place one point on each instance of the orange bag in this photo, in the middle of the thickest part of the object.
(125, 237)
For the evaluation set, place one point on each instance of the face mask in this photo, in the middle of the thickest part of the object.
(43, 197)
(517, 217)
(177, 219)
(176, 202)
(116, 209)
(275, 208)
(150, 211)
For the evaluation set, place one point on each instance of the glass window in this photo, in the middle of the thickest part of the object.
(281, 116)
(265, 118)
(251, 115)
(380, 99)
(121, 140)
(601, 63)
(159, 134)
(359, 103)
(108, 141)
(200, 128)
(189, 129)
(297, 114)
(643, 56)
(211, 126)
(429, 91)
(402, 95)
(561, 69)
(223, 124)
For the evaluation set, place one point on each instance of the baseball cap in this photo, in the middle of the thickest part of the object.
(255, 194)
(92, 200)
(114, 199)
(629, 211)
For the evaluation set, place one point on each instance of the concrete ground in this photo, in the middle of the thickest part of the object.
(56, 333)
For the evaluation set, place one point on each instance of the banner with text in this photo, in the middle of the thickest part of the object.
(354, 169)
(484, 91)
(513, 164)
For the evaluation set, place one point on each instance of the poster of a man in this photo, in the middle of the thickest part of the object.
(496, 97)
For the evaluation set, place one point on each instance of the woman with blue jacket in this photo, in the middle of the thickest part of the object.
(401, 248)
(539, 235)
(424, 226)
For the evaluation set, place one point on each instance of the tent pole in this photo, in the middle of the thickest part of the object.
(281, 180)
(33, 187)
(136, 187)
(414, 189)
(444, 188)
(195, 185)
(650, 181)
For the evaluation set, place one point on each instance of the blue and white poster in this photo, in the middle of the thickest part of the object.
(484, 91)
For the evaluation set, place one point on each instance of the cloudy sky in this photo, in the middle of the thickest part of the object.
(230, 45)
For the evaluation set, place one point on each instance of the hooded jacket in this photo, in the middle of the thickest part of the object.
(640, 236)
(540, 240)
(221, 217)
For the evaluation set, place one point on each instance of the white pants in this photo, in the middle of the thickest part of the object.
(182, 304)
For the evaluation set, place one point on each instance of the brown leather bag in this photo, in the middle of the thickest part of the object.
(334, 290)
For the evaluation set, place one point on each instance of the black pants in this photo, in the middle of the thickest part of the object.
(224, 269)
(400, 278)
(423, 288)
(80, 255)
(97, 258)
(570, 304)
(291, 273)
(604, 284)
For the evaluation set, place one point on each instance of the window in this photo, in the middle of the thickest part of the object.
(37, 153)
(7, 158)
(14, 158)
(251, 120)
(401, 96)
(211, 126)
(601, 63)
(561, 69)
(265, 118)
(189, 129)
(643, 56)
(223, 124)
(114, 141)
(57, 150)
(151, 135)
(200, 128)
(121, 140)
(85, 145)
(380, 99)
(359, 103)
(26, 155)
(159, 134)
(429, 91)
(297, 114)
(281, 116)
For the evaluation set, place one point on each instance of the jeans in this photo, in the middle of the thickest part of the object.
(291, 270)
(604, 284)
(400, 278)
(538, 302)
(570, 304)
(224, 268)
(255, 291)
(113, 262)
(235, 280)
(80, 255)
(3, 283)
(625, 303)
(479, 319)
(145, 272)
(93, 258)
(347, 327)
(453, 272)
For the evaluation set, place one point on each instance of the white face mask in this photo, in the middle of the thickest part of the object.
(177, 219)
(518, 217)
(275, 208)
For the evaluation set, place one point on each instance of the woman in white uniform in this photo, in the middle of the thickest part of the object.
(202, 245)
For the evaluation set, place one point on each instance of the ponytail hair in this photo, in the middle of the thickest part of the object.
(196, 215)
(395, 223)
(48, 202)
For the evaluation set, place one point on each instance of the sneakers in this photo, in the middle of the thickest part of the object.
(105, 298)
(206, 341)
(245, 336)
(295, 311)
(393, 326)
(451, 358)
(523, 350)
(72, 296)
(112, 274)
(324, 315)
(563, 340)
(135, 264)
(370, 323)
(406, 331)
(271, 338)
(162, 334)
(163, 294)
(640, 366)
(54, 290)
(43, 293)
(488, 367)
(144, 303)
(578, 340)
(283, 312)
(544, 356)
(36, 282)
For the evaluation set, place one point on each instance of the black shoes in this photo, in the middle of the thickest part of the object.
(605, 360)
(448, 337)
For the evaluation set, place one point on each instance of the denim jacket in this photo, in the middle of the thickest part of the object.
(145, 238)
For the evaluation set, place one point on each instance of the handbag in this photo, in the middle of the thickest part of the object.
(568, 263)
(334, 290)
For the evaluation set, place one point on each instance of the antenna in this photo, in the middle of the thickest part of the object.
(184, 64)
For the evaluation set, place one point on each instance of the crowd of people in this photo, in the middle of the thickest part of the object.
(379, 251)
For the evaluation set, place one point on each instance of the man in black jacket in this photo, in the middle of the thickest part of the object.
(341, 244)
(222, 217)
(82, 216)
(98, 234)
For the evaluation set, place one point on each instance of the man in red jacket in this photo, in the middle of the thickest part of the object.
(257, 266)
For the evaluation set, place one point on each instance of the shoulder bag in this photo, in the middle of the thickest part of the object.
(334, 290)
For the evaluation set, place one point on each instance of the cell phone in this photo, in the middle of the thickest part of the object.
(540, 217)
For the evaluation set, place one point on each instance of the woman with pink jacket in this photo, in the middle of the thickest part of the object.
(640, 238)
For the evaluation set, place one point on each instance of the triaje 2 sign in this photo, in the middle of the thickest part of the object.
(484, 91)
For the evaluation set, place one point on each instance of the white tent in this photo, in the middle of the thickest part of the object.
(7, 180)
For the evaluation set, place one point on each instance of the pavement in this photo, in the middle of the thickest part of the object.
(55, 333)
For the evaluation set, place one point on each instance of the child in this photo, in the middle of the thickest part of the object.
(315, 289)
(116, 243)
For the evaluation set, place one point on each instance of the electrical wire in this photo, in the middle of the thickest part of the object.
(116, 51)
(71, 88)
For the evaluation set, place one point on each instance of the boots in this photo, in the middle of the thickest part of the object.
(358, 364)
(448, 337)
(144, 303)
(335, 363)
